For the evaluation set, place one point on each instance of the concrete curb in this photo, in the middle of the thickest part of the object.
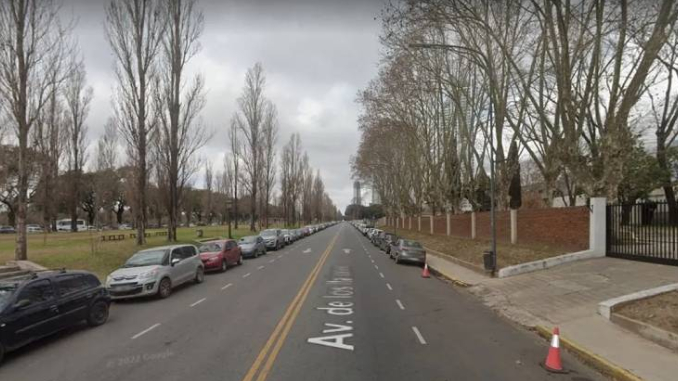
(547, 263)
(655, 334)
(607, 307)
(599, 363)
(473, 267)
(27, 265)
(458, 282)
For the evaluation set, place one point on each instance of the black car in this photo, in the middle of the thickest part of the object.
(42, 303)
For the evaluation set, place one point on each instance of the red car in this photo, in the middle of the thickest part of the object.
(220, 254)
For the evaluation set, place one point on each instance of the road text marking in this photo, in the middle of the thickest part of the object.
(307, 251)
(145, 331)
(419, 336)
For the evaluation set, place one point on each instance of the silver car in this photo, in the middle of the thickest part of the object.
(156, 271)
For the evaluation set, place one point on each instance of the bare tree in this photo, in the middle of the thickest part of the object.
(180, 132)
(233, 167)
(249, 119)
(33, 44)
(208, 207)
(270, 139)
(77, 98)
(107, 147)
(135, 29)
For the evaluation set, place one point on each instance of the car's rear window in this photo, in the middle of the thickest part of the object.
(210, 247)
(249, 239)
(410, 243)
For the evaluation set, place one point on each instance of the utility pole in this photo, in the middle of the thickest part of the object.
(492, 201)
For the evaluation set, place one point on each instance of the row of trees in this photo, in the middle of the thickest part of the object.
(44, 99)
(566, 89)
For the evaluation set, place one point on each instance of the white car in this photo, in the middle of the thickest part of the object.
(34, 228)
(156, 271)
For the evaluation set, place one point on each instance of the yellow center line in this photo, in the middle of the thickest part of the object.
(283, 327)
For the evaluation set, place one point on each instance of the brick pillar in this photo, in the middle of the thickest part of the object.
(448, 229)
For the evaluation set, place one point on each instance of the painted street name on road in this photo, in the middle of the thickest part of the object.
(340, 293)
(306, 251)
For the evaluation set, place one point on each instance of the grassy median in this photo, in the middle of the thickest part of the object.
(86, 250)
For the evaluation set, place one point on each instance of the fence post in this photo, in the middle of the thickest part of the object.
(448, 230)
(473, 225)
(430, 219)
(419, 223)
(598, 225)
(514, 226)
(410, 223)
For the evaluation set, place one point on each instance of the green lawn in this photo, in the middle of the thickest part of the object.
(86, 251)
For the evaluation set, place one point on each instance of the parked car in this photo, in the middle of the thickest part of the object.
(372, 234)
(287, 236)
(252, 246)
(406, 250)
(7, 230)
(386, 242)
(124, 227)
(377, 238)
(273, 238)
(40, 304)
(220, 254)
(34, 228)
(156, 271)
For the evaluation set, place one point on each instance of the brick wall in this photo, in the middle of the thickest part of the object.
(484, 225)
(567, 228)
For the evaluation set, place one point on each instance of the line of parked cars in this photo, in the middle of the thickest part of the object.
(399, 249)
(41, 303)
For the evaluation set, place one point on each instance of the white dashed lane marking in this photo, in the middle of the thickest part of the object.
(381, 275)
(145, 331)
(421, 339)
(260, 267)
(227, 286)
(198, 302)
(246, 275)
(388, 285)
(400, 304)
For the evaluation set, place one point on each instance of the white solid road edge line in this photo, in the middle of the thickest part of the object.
(388, 285)
(400, 304)
(246, 275)
(419, 336)
(145, 331)
(227, 286)
(198, 302)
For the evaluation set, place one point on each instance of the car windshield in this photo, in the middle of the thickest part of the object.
(269, 233)
(146, 258)
(6, 292)
(211, 247)
(248, 239)
(413, 244)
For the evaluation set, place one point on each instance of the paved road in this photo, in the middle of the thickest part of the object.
(329, 307)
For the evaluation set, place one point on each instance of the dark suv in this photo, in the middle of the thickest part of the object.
(42, 303)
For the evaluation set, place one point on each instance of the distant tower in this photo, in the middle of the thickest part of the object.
(357, 193)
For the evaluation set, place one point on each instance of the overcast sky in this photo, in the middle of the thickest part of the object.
(316, 56)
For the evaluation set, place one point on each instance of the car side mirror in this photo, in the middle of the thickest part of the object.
(175, 261)
(21, 304)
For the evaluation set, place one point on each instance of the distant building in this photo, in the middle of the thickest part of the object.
(357, 193)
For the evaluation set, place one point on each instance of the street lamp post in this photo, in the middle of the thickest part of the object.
(493, 220)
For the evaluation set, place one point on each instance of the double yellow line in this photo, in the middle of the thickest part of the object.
(277, 339)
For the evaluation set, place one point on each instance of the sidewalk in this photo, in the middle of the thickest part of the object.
(568, 295)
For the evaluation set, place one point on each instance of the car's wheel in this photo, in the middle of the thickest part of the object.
(164, 288)
(98, 314)
(2, 352)
(199, 275)
(224, 265)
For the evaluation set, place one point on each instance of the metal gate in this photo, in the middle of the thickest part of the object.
(642, 232)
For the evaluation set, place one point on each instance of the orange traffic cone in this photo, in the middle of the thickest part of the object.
(425, 273)
(553, 363)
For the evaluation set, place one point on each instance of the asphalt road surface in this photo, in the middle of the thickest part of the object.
(329, 307)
